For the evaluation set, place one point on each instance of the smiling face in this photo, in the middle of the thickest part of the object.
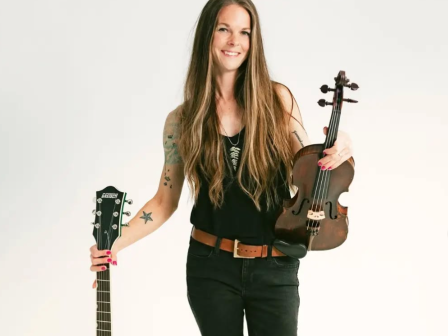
(232, 34)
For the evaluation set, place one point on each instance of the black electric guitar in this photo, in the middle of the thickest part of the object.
(107, 228)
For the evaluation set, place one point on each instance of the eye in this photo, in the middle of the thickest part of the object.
(248, 34)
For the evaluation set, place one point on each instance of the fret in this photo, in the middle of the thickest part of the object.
(103, 316)
(103, 285)
(103, 306)
(103, 296)
(108, 331)
(106, 326)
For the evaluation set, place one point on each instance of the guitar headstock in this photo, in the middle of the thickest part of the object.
(109, 216)
(341, 81)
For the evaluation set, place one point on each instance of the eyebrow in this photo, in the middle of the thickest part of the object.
(225, 24)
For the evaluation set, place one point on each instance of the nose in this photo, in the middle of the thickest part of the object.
(233, 41)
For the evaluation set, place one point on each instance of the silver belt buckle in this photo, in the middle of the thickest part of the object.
(235, 251)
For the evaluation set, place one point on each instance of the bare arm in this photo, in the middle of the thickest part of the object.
(161, 207)
(298, 136)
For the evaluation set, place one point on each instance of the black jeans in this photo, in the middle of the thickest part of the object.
(222, 288)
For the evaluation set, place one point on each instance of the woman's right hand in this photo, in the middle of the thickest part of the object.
(99, 257)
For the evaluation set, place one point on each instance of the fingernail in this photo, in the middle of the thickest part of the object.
(103, 268)
(329, 168)
(114, 263)
(108, 252)
(323, 167)
(319, 163)
(109, 260)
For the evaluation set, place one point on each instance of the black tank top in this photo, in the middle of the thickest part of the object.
(238, 218)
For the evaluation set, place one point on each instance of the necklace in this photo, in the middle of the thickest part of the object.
(234, 150)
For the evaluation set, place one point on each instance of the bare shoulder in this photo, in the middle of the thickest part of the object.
(284, 94)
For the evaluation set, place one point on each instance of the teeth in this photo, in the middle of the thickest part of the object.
(230, 54)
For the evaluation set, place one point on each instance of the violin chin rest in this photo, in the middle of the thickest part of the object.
(292, 250)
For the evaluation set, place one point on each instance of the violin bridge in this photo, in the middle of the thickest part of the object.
(316, 215)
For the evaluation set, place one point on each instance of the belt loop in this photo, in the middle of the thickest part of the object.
(217, 245)
(269, 252)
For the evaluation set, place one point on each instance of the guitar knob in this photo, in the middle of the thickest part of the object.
(322, 102)
(129, 201)
(127, 213)
(325, 89)
(125, 224)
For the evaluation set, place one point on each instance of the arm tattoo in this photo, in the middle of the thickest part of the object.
(146, 216)
(172, 156)
(297, 135)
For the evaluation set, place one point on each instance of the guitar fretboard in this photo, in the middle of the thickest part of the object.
(103, 312)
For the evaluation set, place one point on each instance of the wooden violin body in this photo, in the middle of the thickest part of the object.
(293, 225)
(314, 219)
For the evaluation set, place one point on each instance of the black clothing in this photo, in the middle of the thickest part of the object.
(238, 218)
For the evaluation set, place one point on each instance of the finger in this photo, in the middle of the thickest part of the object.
(94, 284)
(101, 260)
(325, 130)
(100, 268)
(99, 253)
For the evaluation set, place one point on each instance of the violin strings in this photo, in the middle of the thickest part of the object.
(323, 176)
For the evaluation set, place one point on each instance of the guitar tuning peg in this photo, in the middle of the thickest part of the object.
(125, 224)
(325, 89)
(127, 213)
(322, 102)
(348, 100)
(129, 201)
(93, 211)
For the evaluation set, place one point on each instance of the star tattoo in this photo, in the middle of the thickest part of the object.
(146, 216)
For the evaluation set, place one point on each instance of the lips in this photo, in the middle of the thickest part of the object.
(224, 52)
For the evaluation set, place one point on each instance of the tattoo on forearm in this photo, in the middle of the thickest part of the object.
(146, 217)
(297, 135)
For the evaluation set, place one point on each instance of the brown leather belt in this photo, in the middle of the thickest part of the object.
(239, 250)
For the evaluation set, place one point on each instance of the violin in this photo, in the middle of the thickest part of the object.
(314, 219)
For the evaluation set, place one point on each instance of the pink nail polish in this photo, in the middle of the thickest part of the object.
(103, 268)
(114, 263)
(329, 168)
(319, 163)
(323, 167)
(108, 252)
(109, 260)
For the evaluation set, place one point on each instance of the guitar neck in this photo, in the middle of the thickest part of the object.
(103, 312)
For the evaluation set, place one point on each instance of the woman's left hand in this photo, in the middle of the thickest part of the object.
(336, 155)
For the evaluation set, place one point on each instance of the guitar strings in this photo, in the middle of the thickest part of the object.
(98, 277)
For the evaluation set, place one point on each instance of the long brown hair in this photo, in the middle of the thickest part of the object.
(266, 144)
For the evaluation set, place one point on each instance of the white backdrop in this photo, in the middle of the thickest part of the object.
(85, 87)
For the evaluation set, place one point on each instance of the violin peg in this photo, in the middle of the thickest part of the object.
(325, 89)
(352, 86)
(348, 100)
(322, 102)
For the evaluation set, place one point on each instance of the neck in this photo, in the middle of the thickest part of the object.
(225, 86)
(333, 127)
(103, 313)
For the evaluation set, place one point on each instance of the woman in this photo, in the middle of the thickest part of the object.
(234, 139)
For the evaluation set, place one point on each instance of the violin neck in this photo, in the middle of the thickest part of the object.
(333, 128)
